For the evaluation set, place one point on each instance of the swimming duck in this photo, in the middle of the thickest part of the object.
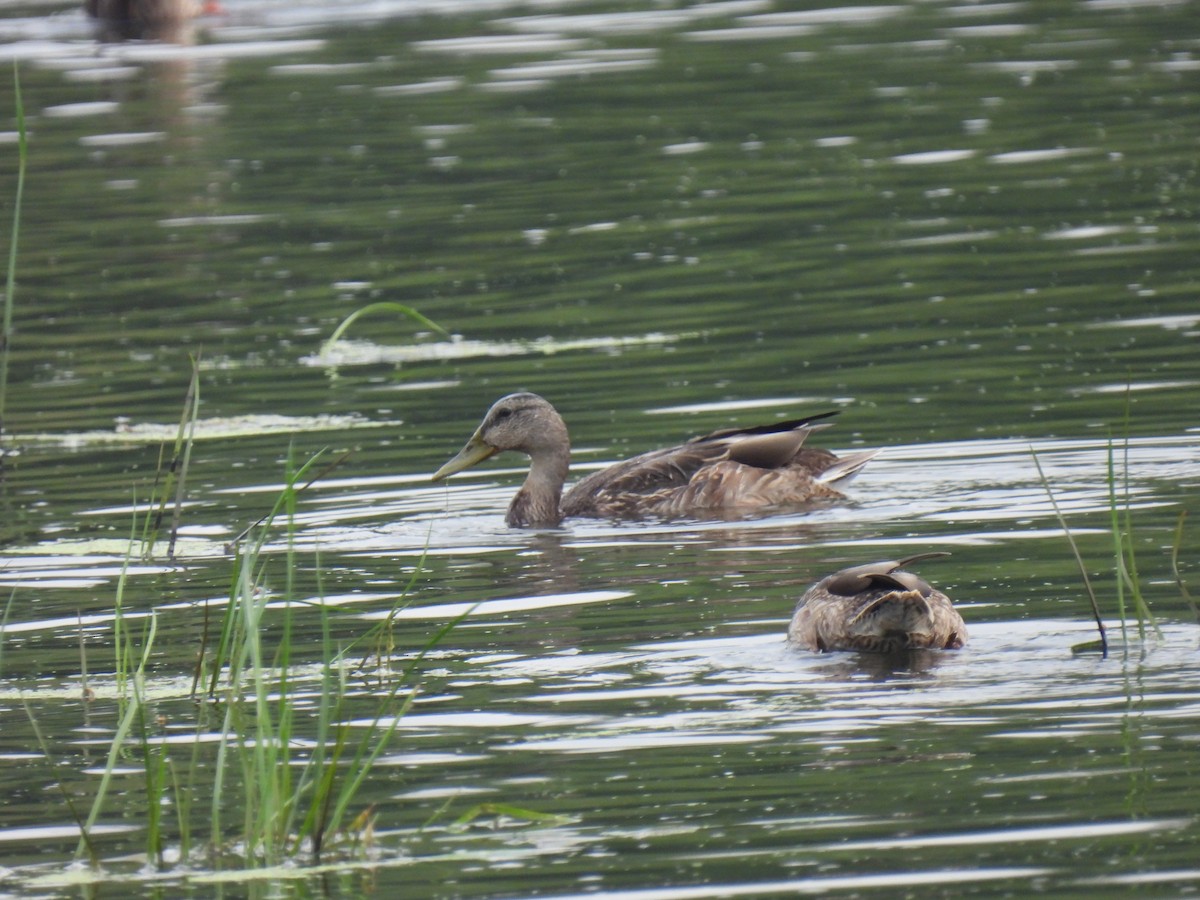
(877, 608)
(736, 470)
(146, 18)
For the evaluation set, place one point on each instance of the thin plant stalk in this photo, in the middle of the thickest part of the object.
(1062, 522)
(219, 768)
(1118, 550)
(121, 648)
(198, 672)
(1125, 559)
(183, 806)
(246, 554)
(328, 809)
(154, 767)
(319, 763)
(285, 805)
(1175, 545)
(173, 481)
(10, 281)
(263, 744)
(182, 790)
(231, 735)
(85, 831)
(4, 623)
(269, 516)
(382, 633)
(83, 667)
(1142, 607)
(126, 724)
(191, 406)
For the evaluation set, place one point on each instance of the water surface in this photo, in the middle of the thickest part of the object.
(966, 226)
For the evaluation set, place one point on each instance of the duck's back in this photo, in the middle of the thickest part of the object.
(729, 470)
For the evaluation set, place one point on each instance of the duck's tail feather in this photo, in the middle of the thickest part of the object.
(846, 467)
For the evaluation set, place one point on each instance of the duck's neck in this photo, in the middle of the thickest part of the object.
(537, 502)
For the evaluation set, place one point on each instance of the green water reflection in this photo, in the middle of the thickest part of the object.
(970, 226)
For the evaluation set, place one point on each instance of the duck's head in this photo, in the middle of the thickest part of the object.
(523, 422)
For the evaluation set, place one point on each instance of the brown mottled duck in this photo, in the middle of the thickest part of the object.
(733, 471)
(877, 608)
(146, 18)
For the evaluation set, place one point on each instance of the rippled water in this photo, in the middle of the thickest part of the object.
(968, 227)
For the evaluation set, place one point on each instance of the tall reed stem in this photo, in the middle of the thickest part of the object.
(10, 280)
(1078, 558)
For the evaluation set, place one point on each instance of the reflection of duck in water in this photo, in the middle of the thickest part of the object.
(731, 471)
(877, 608)
(146, 18)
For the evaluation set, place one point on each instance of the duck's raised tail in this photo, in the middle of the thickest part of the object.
(846, 467)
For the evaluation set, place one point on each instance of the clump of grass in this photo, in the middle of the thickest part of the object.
(10, 281)
(284, 811)
(1128, 581)
(291, 800)
(1124, 557)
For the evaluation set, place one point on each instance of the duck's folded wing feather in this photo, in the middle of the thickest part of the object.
(643, 476)
(737, 467)
(839, 469)
(769, 428)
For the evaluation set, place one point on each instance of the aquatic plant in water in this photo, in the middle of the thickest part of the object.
(170, 476)
(293, 798)
(371, 309)
(1121, 529)
(10, 280)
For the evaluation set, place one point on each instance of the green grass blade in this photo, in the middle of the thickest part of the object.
(191, 405)
(383, 306)
(10, 280)
(170, 482)
(512, 812)
(1118, 549)
(1183, 591)
(364, 760)
(85, 834)
(1141, 607)
(4, 624)
(128, 719)
(154, 768)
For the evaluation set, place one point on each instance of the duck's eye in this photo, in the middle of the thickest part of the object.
(503, 413)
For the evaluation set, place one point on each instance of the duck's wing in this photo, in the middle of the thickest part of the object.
(770, 428)
(884, 575)
(728, 468)
(640, 483)
(779, 445)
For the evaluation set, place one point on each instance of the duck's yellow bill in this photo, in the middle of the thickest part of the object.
(475, 451)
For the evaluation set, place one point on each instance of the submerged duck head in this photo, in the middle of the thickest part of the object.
(879, 608)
